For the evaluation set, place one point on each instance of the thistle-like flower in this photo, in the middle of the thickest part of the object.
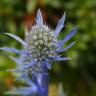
(41, 47)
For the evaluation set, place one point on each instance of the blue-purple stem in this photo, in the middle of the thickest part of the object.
(43, 86)
(45, 80)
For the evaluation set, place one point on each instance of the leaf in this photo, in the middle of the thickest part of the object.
(17, 38)
(68, 36)
(39, 19)
(57, 58)
(66, 48)
(60, 25)
(11, 50)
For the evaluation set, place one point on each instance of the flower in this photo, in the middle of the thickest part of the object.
(41, 46)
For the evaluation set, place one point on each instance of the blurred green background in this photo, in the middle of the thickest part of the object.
(76, 77)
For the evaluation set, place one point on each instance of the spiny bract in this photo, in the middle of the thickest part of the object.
(41, 46)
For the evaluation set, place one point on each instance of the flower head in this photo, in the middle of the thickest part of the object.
(41, 46)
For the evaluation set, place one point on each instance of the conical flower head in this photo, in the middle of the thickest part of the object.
(41, 45)
(42, 42)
